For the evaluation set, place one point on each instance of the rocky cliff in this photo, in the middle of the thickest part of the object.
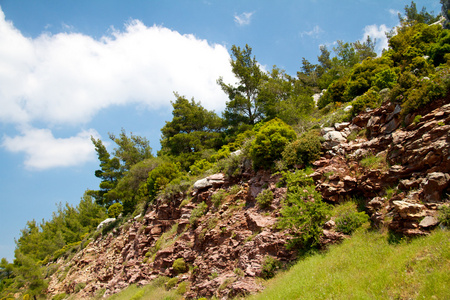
(399, 171)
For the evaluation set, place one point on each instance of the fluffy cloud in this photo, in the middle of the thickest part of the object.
(378, 33)
(44, 151)
(243, 19)
(67, 78)
(314, 32)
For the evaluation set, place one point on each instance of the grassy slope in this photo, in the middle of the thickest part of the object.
(367, 267)
(150, 292)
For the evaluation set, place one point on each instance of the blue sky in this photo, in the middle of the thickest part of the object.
(78, 68)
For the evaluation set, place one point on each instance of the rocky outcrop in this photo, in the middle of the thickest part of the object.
(412, 160)
(225, 248)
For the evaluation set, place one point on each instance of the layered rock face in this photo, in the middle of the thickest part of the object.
(225, 247)
(408, 178)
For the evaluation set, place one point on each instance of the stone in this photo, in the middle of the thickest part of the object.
(341, 126)
(428, 221)
(433, 186)
(348, 108)
(236, 153)
(332, 139)
(408, 210)
(213, 180)
(105, 222)
(325, 130)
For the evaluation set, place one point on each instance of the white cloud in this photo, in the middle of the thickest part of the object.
(243, 19)
(67, 78)
(314, 32)
(377, 33)
(44, 151)
(394, 12)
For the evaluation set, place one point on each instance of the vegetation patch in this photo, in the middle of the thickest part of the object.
(264, 199)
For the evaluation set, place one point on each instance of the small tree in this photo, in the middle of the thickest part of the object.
(244, 105)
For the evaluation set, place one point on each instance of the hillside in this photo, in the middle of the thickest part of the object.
(270, 187)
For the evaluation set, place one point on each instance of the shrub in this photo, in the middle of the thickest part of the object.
(374, 162)
(239, 272)
(218, 197)
(59, 296)
(417, 119)
(171, 283)
(179, 266)
(385, 79)
(115, 210)
(370, 99)
(303, 151)
(182, 288)
(200, 167)
(304, 213)
(334, 93)
(270, 142)
(294, 180)
(348, 219)
(79, 286)
(424, 92)
(197, 213)
(444, 215)
(160, 177)
(269, 267)
(264, 199)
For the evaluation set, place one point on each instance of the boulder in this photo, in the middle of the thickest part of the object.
(333, 138)
(408, 210)
(428, 221)
(341, 126)
(105, 222)
(213, 180)
(433, 186)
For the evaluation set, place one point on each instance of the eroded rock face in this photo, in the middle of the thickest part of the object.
(226, 248)
(415, 159)
(227, 245)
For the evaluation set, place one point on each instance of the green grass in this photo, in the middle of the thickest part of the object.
(153, 291)
(374, 162)
(367, 267)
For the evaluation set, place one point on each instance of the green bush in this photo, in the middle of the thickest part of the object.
(264, 199)
(115, 210)
(303, 151)
(294, 180)
(218, 197)
(444, 215)
(270, 142)
(161, 176)
(334, 93)
(179, 266)
(197, 212)
(422, 93)
(385, 79)
(348, 219)
(370, 99)
(182, 288)
(269, 267)
(171, 283)
(59, 296)
(200, 167)
(304, 213)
